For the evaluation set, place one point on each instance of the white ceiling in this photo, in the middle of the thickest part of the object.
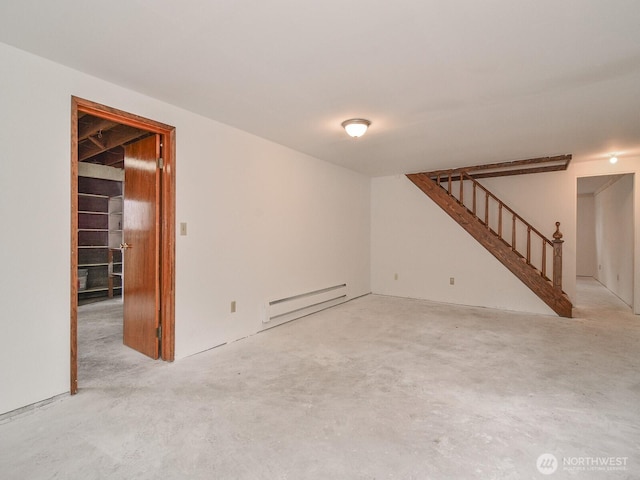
(445, 83)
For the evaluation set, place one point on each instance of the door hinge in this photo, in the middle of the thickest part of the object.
(159, 332)
(161, 163)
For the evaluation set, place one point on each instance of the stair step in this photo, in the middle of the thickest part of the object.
(510, 258)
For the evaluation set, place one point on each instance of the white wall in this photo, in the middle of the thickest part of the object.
(411, 236)
(415, 239)
(625, 165)
(614, 224)
(586, 236)
(263, 222)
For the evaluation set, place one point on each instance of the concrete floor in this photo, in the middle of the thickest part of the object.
(377, 388)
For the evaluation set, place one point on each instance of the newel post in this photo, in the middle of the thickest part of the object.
(557, 258)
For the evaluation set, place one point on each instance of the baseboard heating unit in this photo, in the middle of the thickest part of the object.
(289, 308)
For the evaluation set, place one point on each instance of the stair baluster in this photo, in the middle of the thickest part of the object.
(529, 267)
(489, 200)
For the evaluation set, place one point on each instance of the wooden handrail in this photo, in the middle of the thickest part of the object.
(556, 244)
(504, 205)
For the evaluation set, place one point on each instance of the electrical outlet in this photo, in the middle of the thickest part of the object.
(183, 228)
(452, 281)
(233, 306)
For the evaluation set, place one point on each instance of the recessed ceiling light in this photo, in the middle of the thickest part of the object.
(356, 127)
(613, 159)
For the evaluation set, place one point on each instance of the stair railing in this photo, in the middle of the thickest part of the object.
(493, 213)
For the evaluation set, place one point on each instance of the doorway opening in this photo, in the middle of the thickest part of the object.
(605, 224)
(125, 246)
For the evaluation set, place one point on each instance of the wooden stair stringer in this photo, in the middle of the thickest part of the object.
(554, 298)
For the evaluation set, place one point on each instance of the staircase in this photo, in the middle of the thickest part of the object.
(521, 248)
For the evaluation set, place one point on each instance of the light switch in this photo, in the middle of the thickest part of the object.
(183, 228)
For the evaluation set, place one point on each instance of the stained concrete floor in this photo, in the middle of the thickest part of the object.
(377, 388)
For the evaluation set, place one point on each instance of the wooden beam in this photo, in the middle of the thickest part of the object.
(96, 142)
(520, 171)
(523, 171)
(112, 138)
(531, 165)
(89, 126)
(110, 158)
(114, 157)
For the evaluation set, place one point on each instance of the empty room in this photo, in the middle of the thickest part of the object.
(335, 240)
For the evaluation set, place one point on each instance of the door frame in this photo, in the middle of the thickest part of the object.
(167, 223)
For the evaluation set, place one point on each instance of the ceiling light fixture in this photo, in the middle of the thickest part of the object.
(356, 127)
(613, 159)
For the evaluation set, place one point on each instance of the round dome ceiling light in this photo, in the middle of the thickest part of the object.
(356, 127)
(613, 159)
